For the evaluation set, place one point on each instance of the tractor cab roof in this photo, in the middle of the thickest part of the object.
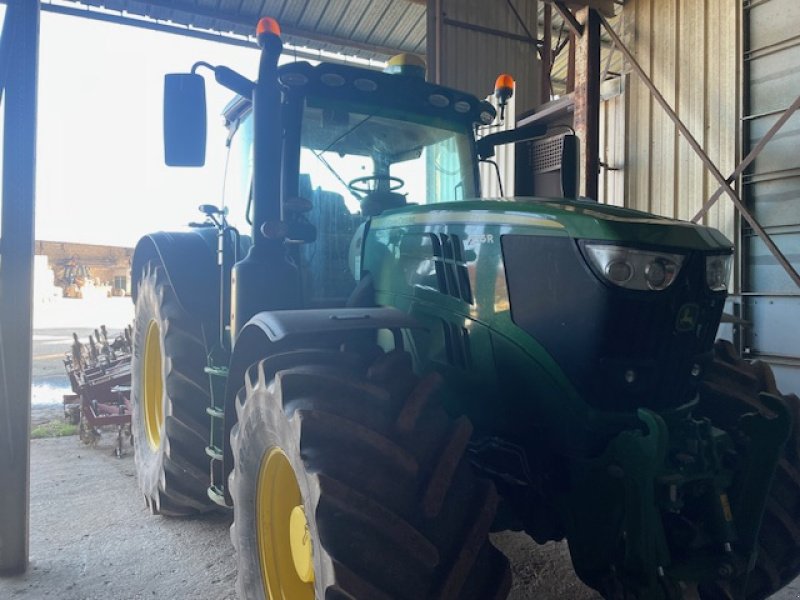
(351, 88)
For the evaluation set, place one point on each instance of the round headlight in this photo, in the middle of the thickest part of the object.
(619, 272)
(486, 117)
(633, 268)
(656, 274)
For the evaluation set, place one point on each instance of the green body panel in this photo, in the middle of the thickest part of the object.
(398, 252)
(620, 478)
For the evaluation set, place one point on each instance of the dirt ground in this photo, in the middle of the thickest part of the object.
(92, 537)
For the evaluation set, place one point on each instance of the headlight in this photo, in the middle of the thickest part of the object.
(635, 269)
(718, 271)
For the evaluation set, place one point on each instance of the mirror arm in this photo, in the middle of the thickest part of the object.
(227, 77)
(486, 145)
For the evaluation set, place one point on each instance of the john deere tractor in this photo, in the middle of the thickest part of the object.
(376, 368)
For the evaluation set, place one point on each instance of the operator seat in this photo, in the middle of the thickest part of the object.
(377, 201)
(326, 259)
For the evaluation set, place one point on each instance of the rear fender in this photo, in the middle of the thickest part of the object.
(189, 262)
(273, 332)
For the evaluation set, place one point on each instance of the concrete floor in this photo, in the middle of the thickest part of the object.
(92, 538)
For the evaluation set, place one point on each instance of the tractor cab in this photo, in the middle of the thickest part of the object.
(356, 144)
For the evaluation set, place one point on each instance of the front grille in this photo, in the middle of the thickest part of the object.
(621, 349)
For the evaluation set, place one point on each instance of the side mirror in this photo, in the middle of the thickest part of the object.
(184, 120)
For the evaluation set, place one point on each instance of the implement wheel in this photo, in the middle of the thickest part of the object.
(169, 397)
(351, 483)
(731, 388)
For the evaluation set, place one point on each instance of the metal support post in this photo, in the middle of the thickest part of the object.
(547, 54)
(712, 168)
(587, 100)
(19, 46)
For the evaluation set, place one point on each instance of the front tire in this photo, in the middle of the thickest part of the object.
(730, 389)
(169, 397)
(351, 483)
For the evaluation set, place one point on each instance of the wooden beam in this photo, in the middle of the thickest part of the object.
(574, 25)
(547, 54)
(605, 7)
(587, 101)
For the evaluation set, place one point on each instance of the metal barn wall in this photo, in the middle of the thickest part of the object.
(690, 49)
(611, 186)
(772, 186)
(470, 42)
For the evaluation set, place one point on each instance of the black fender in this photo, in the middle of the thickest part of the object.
(189, 262)
(273, 332)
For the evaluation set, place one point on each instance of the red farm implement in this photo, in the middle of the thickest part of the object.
(100, 377)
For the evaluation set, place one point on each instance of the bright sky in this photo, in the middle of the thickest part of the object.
(101, 176)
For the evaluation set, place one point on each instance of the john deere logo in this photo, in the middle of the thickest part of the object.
(687, 317)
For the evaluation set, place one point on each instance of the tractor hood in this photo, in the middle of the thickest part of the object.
(578, 219)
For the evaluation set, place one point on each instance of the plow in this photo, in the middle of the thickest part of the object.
(99, 374)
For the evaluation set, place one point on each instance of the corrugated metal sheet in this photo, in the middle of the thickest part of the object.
(689, 49)
(472, 42)
(772, 186)
(473, 50)
(365, 28)
(371, 29)
(611, 186)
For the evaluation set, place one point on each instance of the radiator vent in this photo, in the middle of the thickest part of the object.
(451, 269)
(456, 343)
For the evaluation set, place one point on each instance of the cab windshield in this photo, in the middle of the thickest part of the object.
(355, 162)
(363, 153)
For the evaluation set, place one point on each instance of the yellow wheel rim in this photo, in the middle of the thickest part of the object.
(153, 386)
(285, 549)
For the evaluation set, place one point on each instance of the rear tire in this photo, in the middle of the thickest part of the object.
(169, 397)
(393, 509)
(731, 388)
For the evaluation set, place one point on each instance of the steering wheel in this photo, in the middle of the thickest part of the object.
(361, 184)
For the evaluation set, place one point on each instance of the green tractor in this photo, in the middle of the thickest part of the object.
(383, 368)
